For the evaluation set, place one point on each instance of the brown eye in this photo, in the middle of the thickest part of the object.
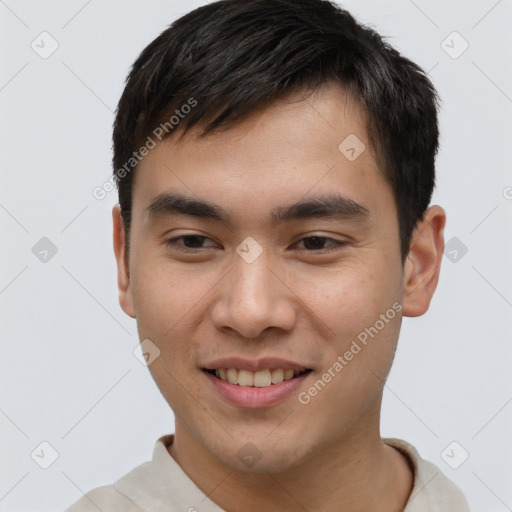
(189, 242)
(318, 243)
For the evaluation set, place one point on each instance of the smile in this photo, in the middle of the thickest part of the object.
(259, 379)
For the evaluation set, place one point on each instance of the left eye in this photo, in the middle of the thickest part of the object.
(316, 243)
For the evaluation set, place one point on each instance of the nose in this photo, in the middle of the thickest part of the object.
(254, 298)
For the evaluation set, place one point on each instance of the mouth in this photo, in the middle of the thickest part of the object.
(260, 379)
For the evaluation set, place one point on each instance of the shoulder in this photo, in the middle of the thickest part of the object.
(432, 490)
(138, 483)
(140, 489)
(106, 499)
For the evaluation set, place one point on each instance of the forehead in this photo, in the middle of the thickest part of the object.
(301, 146)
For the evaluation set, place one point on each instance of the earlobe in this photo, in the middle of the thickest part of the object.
(123, 269)
(422, 267)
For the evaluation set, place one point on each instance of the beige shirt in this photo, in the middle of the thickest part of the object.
(162, 486)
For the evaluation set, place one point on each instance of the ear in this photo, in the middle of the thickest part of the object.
(123, 269)
(423, 263)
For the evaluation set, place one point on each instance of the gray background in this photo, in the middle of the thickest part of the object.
(68, 374)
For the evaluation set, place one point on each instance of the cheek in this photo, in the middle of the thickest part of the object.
(168, 304)
(356, 365)
(166, 297)
(345, 299)
(361, 312)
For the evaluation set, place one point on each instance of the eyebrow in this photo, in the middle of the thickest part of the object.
(327, 206)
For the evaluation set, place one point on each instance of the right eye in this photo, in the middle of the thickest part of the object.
(189, 243)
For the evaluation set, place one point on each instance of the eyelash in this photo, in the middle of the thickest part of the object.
(173, 243)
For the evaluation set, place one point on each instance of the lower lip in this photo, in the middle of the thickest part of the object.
(256, 398)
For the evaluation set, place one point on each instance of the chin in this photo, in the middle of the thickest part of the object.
(261, 457)
(268, 464)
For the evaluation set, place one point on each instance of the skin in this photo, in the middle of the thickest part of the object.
(294, 302)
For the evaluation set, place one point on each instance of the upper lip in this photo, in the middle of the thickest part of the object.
(254, 365)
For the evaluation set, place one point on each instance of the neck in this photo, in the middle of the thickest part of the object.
(357, 472)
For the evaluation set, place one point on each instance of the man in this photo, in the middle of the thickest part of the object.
(275, 163)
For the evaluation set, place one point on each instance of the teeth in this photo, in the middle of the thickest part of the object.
(261, 379)
(277, 376)
(245, 378)
(232, 375)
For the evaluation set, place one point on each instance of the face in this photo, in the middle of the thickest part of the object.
(268, 248)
